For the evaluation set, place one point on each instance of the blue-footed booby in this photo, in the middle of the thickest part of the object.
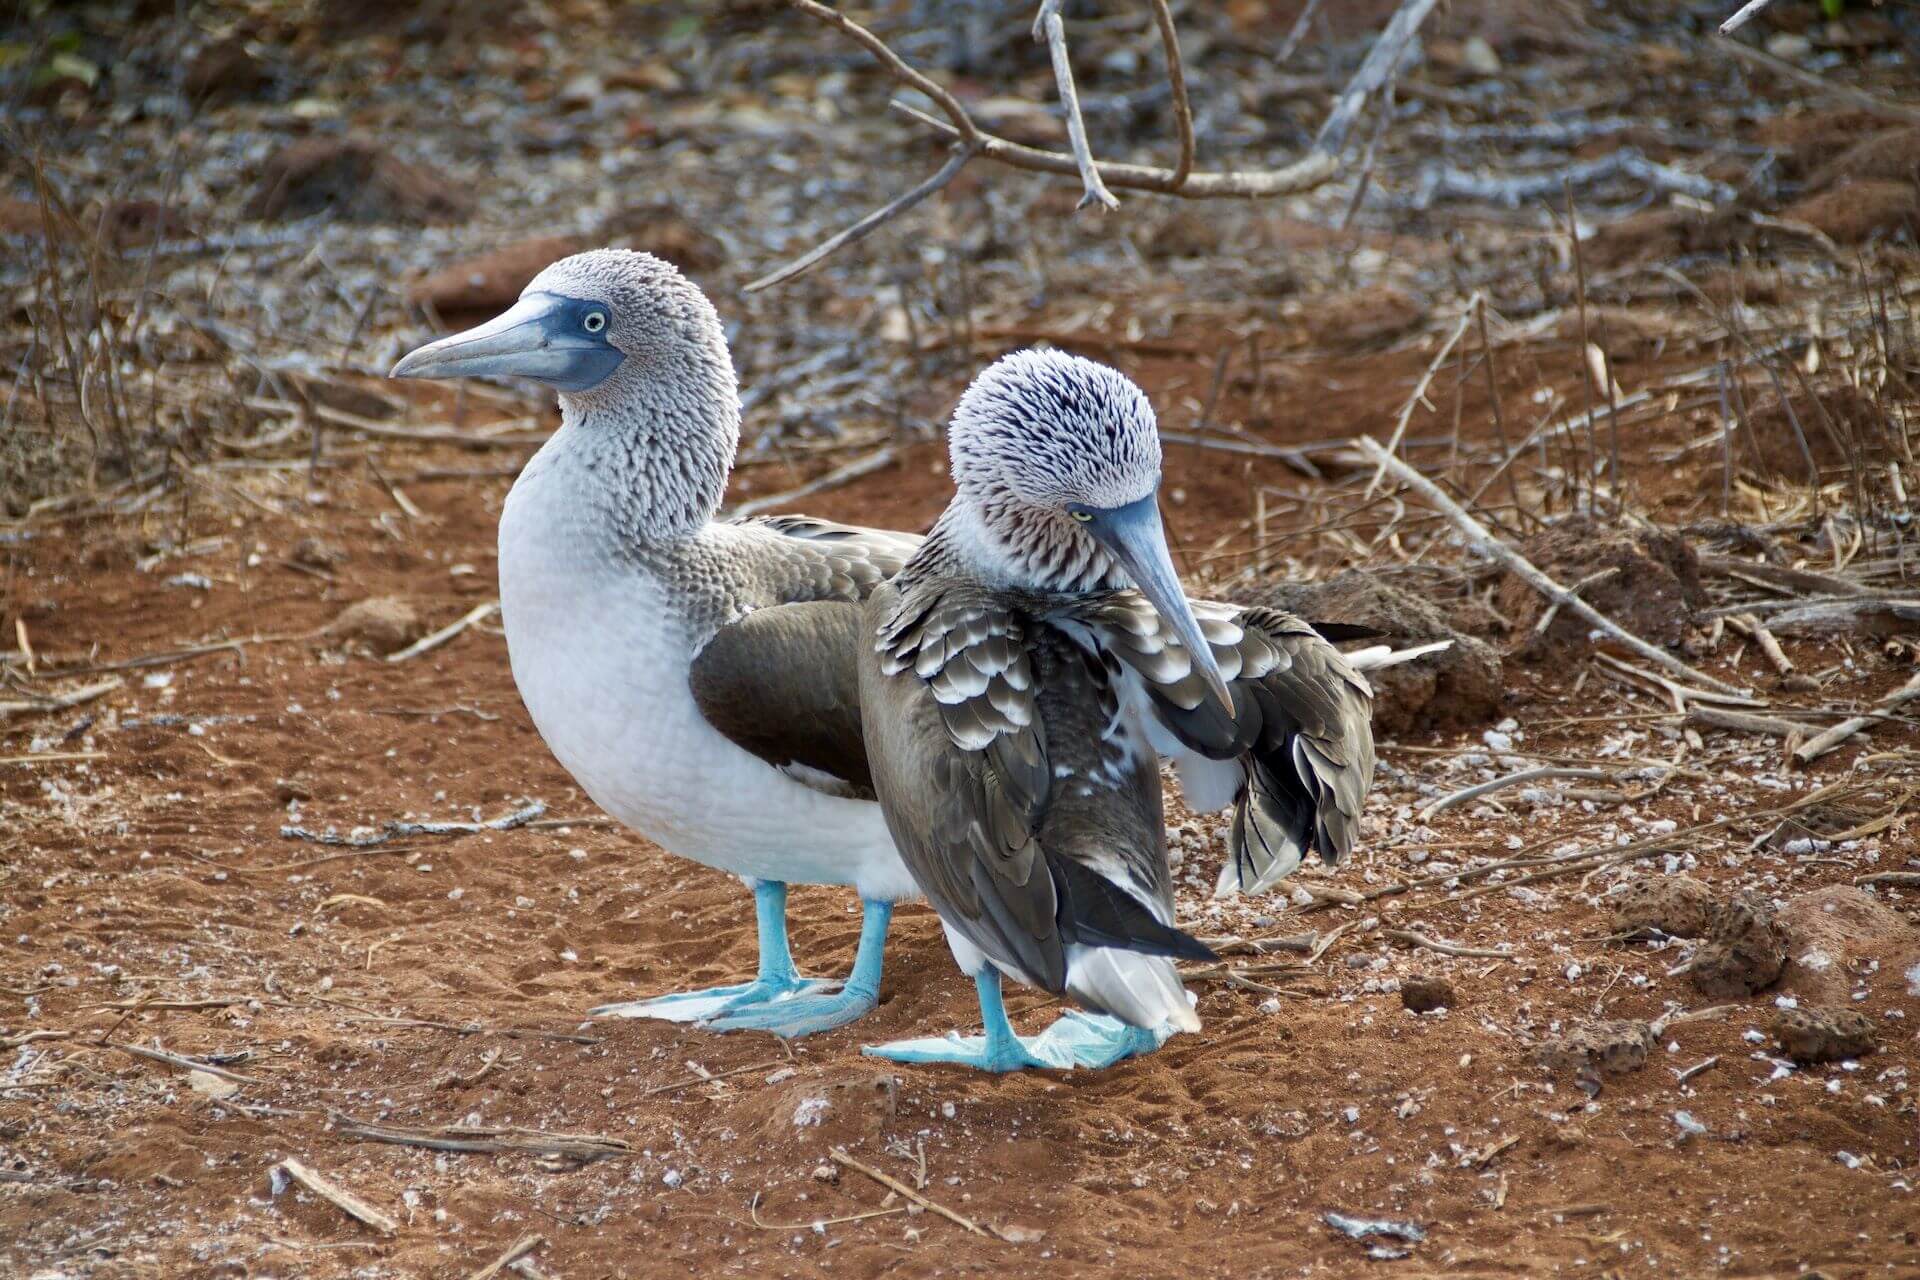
(1025, 673)
(697, 678)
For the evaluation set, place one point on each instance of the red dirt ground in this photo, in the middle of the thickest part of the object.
(152, 871)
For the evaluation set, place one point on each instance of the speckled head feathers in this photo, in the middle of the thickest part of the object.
(655, 309)
(1047, 429)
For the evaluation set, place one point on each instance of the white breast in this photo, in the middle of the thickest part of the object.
(601, 657)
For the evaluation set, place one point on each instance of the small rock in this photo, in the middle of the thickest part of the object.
(384, 624)
(1745, 950)
(1019, 1233)
(1824, 1035)
(1789, 46)
(1678, 906)
(826, 1173)
(209, 1085)
(1422, 993)
(1615, 1046)
(315, 553)
(1477, 56)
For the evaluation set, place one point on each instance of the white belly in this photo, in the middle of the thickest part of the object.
(601, 664)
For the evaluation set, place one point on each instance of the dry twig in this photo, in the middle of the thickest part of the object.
(584, 1147)
(1050, 29)
(840, 1157)
(1818, 745)
(336, 1195)
(1491, 546)
(517, 1250)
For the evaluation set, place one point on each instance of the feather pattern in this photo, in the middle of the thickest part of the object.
(1025, 801)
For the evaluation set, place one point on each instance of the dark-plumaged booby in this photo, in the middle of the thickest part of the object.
(1026, 671)
(696, 677)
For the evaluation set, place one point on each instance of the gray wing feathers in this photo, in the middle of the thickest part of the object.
(784, 684)
(1301, 729)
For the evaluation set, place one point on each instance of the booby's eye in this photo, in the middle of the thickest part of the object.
(1082, 516)
(595, 321)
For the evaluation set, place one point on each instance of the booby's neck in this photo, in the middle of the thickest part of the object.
(1004, 543)
(652, 447)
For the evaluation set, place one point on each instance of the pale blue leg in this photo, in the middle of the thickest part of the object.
(802, 1015)
(777, 975)
(1076, 1040)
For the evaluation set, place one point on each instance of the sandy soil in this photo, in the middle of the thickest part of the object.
(151, 900)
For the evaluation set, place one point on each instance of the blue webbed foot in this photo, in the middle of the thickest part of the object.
(803, 1014)
(715, 1002)
(1078, 1039)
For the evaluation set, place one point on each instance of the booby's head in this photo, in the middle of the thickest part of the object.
(588, 326)
(1056, 460)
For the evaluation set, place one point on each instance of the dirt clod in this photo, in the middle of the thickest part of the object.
(1824, 1035)
(1678, 906)
(384, 624)
(1458, 687)
(1422, 993)
(222, 71)
(353, 179)
(1653, 589)
(1745, 950)
(1855, 211)
(490, 282)
(318, 553)
(1614, 1046)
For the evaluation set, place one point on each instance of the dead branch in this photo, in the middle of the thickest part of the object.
(517, 1250)
(840, 1157)
(1414, 938)
(396, 830)
(1444, 182)
(1319, 166)
(1051, 30)
(878, 460)
(1750, 625)
(584, 1147)
(1511, 780)
(334, 1194)
(1741, 722)
(1420, 388)
(1177, 79)
(1866, 613)
(1743, 15)
(175, 1060)
(1818, 745)
(1491, 546)
(1806, 79)
(1904, 879)
(478, 613)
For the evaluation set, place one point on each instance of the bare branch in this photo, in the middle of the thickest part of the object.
(869, 224)
(895, 65)
(1049, 27)
(1176, 77)
(1744, 14)
(1315, 169)
(1296, 33)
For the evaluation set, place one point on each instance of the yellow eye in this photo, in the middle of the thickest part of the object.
(1081, 516)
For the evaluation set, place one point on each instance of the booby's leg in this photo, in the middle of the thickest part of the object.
(1076, 1040)
(801, 1015)
(777, 976)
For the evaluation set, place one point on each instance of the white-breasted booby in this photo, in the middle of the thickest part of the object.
(696, 677)
(1025, 673)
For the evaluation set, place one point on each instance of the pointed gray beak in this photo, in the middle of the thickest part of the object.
(543, 336)
(1135, 538)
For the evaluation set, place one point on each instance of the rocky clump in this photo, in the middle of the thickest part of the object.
(1745, 950)
(1652, 583)
(1824, 1035)
(382, 624)
(1615, 1047)
(1678, 906)
(1458, 687)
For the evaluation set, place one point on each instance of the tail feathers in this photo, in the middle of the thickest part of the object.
(1094, 911)
(1273, 822)
(1379, 656)
(1140, 990)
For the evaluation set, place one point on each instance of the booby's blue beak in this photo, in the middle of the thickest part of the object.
(1133, 536)
(559, 341)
